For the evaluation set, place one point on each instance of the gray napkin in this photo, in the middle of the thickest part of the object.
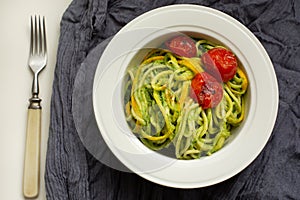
(72, 167)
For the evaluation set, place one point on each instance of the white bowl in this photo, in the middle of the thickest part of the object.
(150, 30)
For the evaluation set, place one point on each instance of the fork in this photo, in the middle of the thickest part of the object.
(37, 62)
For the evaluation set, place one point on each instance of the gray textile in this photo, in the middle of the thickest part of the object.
(73, 173)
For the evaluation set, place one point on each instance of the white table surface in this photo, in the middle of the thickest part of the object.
(15, 86)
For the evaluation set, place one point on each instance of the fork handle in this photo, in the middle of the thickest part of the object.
(32, 152)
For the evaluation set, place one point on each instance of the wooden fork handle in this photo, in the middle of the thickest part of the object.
(32, 154)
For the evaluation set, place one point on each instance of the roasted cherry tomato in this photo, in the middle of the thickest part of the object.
(220, 62)
(206, 90)
(182, 46)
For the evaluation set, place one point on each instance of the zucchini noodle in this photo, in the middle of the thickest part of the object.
(160, 111)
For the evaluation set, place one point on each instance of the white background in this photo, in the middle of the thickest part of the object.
(15, 86)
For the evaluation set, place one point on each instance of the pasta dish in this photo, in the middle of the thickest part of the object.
(188, 93)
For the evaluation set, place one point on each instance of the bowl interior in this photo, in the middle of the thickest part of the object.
(151, 41)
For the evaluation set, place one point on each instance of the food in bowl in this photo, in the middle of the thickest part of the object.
(188, 93)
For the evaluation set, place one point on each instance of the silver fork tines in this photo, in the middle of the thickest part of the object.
(38, 36)
(38, 54)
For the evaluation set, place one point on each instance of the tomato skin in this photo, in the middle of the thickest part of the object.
(206, 90)
(182, 46)
(220, 62)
